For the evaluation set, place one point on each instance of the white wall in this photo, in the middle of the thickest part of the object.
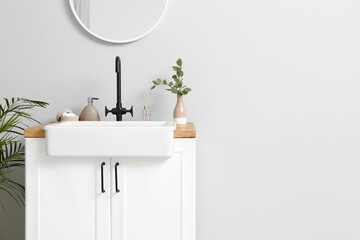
(134, 17)
(275, 101)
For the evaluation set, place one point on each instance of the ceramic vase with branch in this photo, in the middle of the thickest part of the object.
(177, 87)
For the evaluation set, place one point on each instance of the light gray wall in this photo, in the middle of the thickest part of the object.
(275, 102)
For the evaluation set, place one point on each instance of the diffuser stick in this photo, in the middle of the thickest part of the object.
(144, 97)
(149, 98)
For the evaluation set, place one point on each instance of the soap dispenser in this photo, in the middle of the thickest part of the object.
(90, 113)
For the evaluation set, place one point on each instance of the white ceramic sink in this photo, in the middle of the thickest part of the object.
(110, 138)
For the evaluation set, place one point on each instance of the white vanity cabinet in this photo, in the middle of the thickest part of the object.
(110, 198)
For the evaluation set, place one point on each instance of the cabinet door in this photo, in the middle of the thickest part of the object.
(147, 205)
(71, 203)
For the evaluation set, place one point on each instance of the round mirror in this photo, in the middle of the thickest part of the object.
(119, 21)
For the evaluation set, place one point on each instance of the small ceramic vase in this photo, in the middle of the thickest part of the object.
(179, 111)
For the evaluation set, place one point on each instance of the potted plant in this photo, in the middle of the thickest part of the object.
(12, 115)
(177, 87)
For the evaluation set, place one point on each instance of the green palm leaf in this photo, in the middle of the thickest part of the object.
(14, 116)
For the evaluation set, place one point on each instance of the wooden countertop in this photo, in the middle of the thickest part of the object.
(182, 131)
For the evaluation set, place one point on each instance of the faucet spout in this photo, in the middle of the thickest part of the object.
(118, 80)
(118, 64)
(118, 110)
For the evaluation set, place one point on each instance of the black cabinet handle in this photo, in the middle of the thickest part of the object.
(102, 177)
(116, 178)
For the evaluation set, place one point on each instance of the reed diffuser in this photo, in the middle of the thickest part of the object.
(146, 112)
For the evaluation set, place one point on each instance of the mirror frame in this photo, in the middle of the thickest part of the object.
(119, 41)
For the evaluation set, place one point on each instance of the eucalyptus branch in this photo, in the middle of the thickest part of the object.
(176, 85)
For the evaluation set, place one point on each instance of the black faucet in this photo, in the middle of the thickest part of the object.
(119, 110)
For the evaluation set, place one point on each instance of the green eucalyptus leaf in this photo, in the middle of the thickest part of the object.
(178, 92)
(185, 91)
(176, 69)
(165, 82)
(159, 80)
(181, 73)
(152, 87)
(179, 62)
(155, 82)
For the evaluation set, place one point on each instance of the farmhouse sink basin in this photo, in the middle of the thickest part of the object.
(110, 138)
